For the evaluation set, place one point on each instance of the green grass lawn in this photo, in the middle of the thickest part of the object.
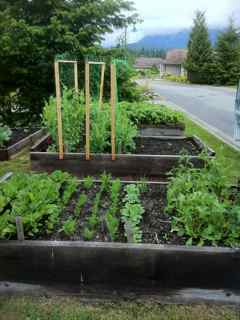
(229, 157)
(72, 309)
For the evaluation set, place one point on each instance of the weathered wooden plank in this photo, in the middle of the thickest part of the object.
(142, 265)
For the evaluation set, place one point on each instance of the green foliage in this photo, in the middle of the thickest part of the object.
(112, 218)
(5, 135)
(73, 115)
(88, 182)
(37, 198)
(144, 113)
(69, 227)
(201, 207)
(34, 32)
(80, 204)
(133, 211)
(175, 78)
(228, 56)
(200, 58)
(88, 234)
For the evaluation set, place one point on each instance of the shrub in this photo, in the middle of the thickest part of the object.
(145, 113)
(175, 78)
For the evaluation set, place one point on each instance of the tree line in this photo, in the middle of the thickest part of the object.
(213, 64)
(33, 32)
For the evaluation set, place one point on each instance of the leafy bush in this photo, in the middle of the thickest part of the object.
(73, 117)
(201, 206)
(5, 135)
(144, 113)
(132, 212)
(175, 78)
(38, 199)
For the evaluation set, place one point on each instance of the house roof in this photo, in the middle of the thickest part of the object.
(176, 56)
(146, 63)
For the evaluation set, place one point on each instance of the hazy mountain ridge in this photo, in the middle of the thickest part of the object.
(177, 40)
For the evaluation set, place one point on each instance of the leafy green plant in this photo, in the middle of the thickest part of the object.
(69, 227)
(5, 135)
(80, 204)
(145, 113)
(73, 115)
(132, 211)
(201, 207)
(88, 182)
(88, 234)
(112, 218)
(37, 198)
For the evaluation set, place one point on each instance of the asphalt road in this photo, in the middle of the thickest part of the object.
(212, 107)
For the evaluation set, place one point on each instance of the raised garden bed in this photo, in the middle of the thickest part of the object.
(154, 158)
(159, 263)
(162, 130)
(20, 139)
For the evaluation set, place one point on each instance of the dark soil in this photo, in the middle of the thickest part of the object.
(151, 145)
(155, 226)
(18, 135)
(166, 146)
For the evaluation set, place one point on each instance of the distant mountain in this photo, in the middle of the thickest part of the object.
(176, 40)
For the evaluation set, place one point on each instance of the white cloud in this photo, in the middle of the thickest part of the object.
(169, 15)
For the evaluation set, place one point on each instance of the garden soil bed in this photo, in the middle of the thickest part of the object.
(155, 226)
(154, 158)
(21, 138)
(148, 266)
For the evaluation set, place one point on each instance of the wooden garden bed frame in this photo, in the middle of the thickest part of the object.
(130, 266)
(124, 165)
(27, 142)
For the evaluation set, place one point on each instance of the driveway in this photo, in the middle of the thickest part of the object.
(212, 107)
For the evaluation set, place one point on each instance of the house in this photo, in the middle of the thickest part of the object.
(173, 64)
(143, 63)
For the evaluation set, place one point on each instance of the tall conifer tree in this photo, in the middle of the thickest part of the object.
(200, 58)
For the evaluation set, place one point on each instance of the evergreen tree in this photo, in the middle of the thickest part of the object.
(228, 56)
(200, 59)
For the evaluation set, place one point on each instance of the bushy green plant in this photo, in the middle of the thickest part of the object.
(200, 206)
(80, 204)
(176, 78)
(69, 227)
(73, 117)
(145, 113)
(5, 135)
(132, 211)
(37, 198)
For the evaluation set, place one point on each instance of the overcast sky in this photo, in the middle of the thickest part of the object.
(162, 16)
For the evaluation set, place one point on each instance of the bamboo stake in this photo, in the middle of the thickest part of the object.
(19, 227)
(59, 111)
(76, 76)
(113, 104)
(87, 101)
(101, 85)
